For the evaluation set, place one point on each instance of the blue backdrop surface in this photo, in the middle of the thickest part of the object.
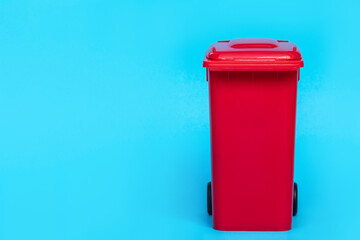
(104, 120)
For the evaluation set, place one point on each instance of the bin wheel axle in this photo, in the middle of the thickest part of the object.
(209, 201)
(295, 200)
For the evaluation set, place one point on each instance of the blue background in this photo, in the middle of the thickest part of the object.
(104, 122)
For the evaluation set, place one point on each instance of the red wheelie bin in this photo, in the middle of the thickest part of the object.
(252, 91)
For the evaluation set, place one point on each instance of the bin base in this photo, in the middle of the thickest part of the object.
(257, 229)
(251, 228)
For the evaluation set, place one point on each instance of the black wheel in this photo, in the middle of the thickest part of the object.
(209, 202)
(295, 201)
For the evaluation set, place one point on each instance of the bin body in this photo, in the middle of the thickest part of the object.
(252, 125)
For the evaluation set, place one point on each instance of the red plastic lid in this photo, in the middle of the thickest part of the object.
(256, 54)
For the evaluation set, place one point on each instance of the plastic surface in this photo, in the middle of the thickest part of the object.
(261, 54)
(252, 120)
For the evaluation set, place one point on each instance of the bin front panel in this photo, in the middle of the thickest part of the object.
(252, 118)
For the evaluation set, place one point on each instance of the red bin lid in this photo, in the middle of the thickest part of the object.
(253, 54)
